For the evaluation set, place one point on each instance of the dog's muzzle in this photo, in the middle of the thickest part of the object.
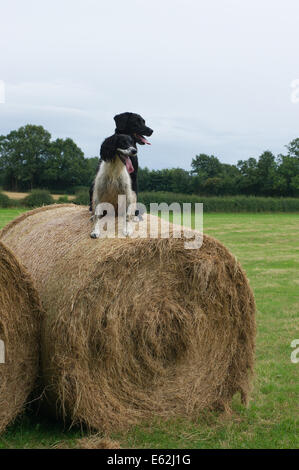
(130, 152)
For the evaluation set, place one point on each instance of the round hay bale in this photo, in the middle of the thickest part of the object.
(135, 328)
(19, 337)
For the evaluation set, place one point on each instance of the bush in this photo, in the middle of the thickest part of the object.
(82, 198)
(62, 199)
(16, 203)
(68, 190)
(79, 189)
(5, 201)
(38, 198)
(224, 204)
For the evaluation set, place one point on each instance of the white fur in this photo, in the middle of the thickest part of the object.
(111, 181)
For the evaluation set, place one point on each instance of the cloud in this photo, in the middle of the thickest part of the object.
(211, 77)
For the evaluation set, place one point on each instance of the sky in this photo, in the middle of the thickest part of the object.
(217, 76)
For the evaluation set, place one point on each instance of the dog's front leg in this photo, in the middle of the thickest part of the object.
(130, 213)
(96, 228)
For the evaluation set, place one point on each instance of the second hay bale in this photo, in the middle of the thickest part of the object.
(20, 318)
(135, 328)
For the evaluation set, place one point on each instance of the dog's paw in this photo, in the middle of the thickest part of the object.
(128, 230)
(138, 218)
(94, 234)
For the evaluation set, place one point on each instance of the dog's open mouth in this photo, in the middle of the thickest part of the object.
(129, 165)
(126, 161)
(140, 139)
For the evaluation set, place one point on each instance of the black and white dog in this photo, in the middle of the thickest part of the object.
(113, 179)
(131, 124)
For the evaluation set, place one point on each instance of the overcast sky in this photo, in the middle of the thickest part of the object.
(209, 76)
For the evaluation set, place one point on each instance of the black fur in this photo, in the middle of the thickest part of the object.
(133, 125)
(111, 144)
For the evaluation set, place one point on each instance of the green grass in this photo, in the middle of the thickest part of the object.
(267, 246)
(8, 214)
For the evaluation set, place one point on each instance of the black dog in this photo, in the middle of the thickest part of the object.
(133, 125)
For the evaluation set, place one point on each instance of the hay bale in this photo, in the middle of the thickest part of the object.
(135, 328)
(19, 337)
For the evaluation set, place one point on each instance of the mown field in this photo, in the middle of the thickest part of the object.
(17, 196)
(267, 245)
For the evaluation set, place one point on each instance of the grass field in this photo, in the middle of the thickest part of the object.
(267, 245)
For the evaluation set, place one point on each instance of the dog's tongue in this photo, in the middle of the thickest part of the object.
(129, 165)
(144, 140)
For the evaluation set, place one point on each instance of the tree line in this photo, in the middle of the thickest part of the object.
(30, 159)
(266, 176)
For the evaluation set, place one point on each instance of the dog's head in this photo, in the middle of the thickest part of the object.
(119, 145)
(134, 125)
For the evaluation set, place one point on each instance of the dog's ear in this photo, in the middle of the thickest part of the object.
(121, 121)
(108, 148)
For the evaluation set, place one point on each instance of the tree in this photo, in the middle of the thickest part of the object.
(22, 156)
(65, 165)
(29, 159)
(180, 181)
(293, 148)
(295, 185)
(248, 171)
(92, 167)
(288, 170)
(144, 179)
(213, 186)
(206, 166)
(266, 173)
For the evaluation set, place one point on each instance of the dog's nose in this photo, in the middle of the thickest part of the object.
(133, 151)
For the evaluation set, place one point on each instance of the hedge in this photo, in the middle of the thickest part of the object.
(224, 204)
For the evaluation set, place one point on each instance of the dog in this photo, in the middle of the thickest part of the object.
(113, 179)
(131, 124)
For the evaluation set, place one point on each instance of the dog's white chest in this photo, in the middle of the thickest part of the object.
(112, 180)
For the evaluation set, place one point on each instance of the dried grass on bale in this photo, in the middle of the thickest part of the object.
(20, 332)
(135, 328)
